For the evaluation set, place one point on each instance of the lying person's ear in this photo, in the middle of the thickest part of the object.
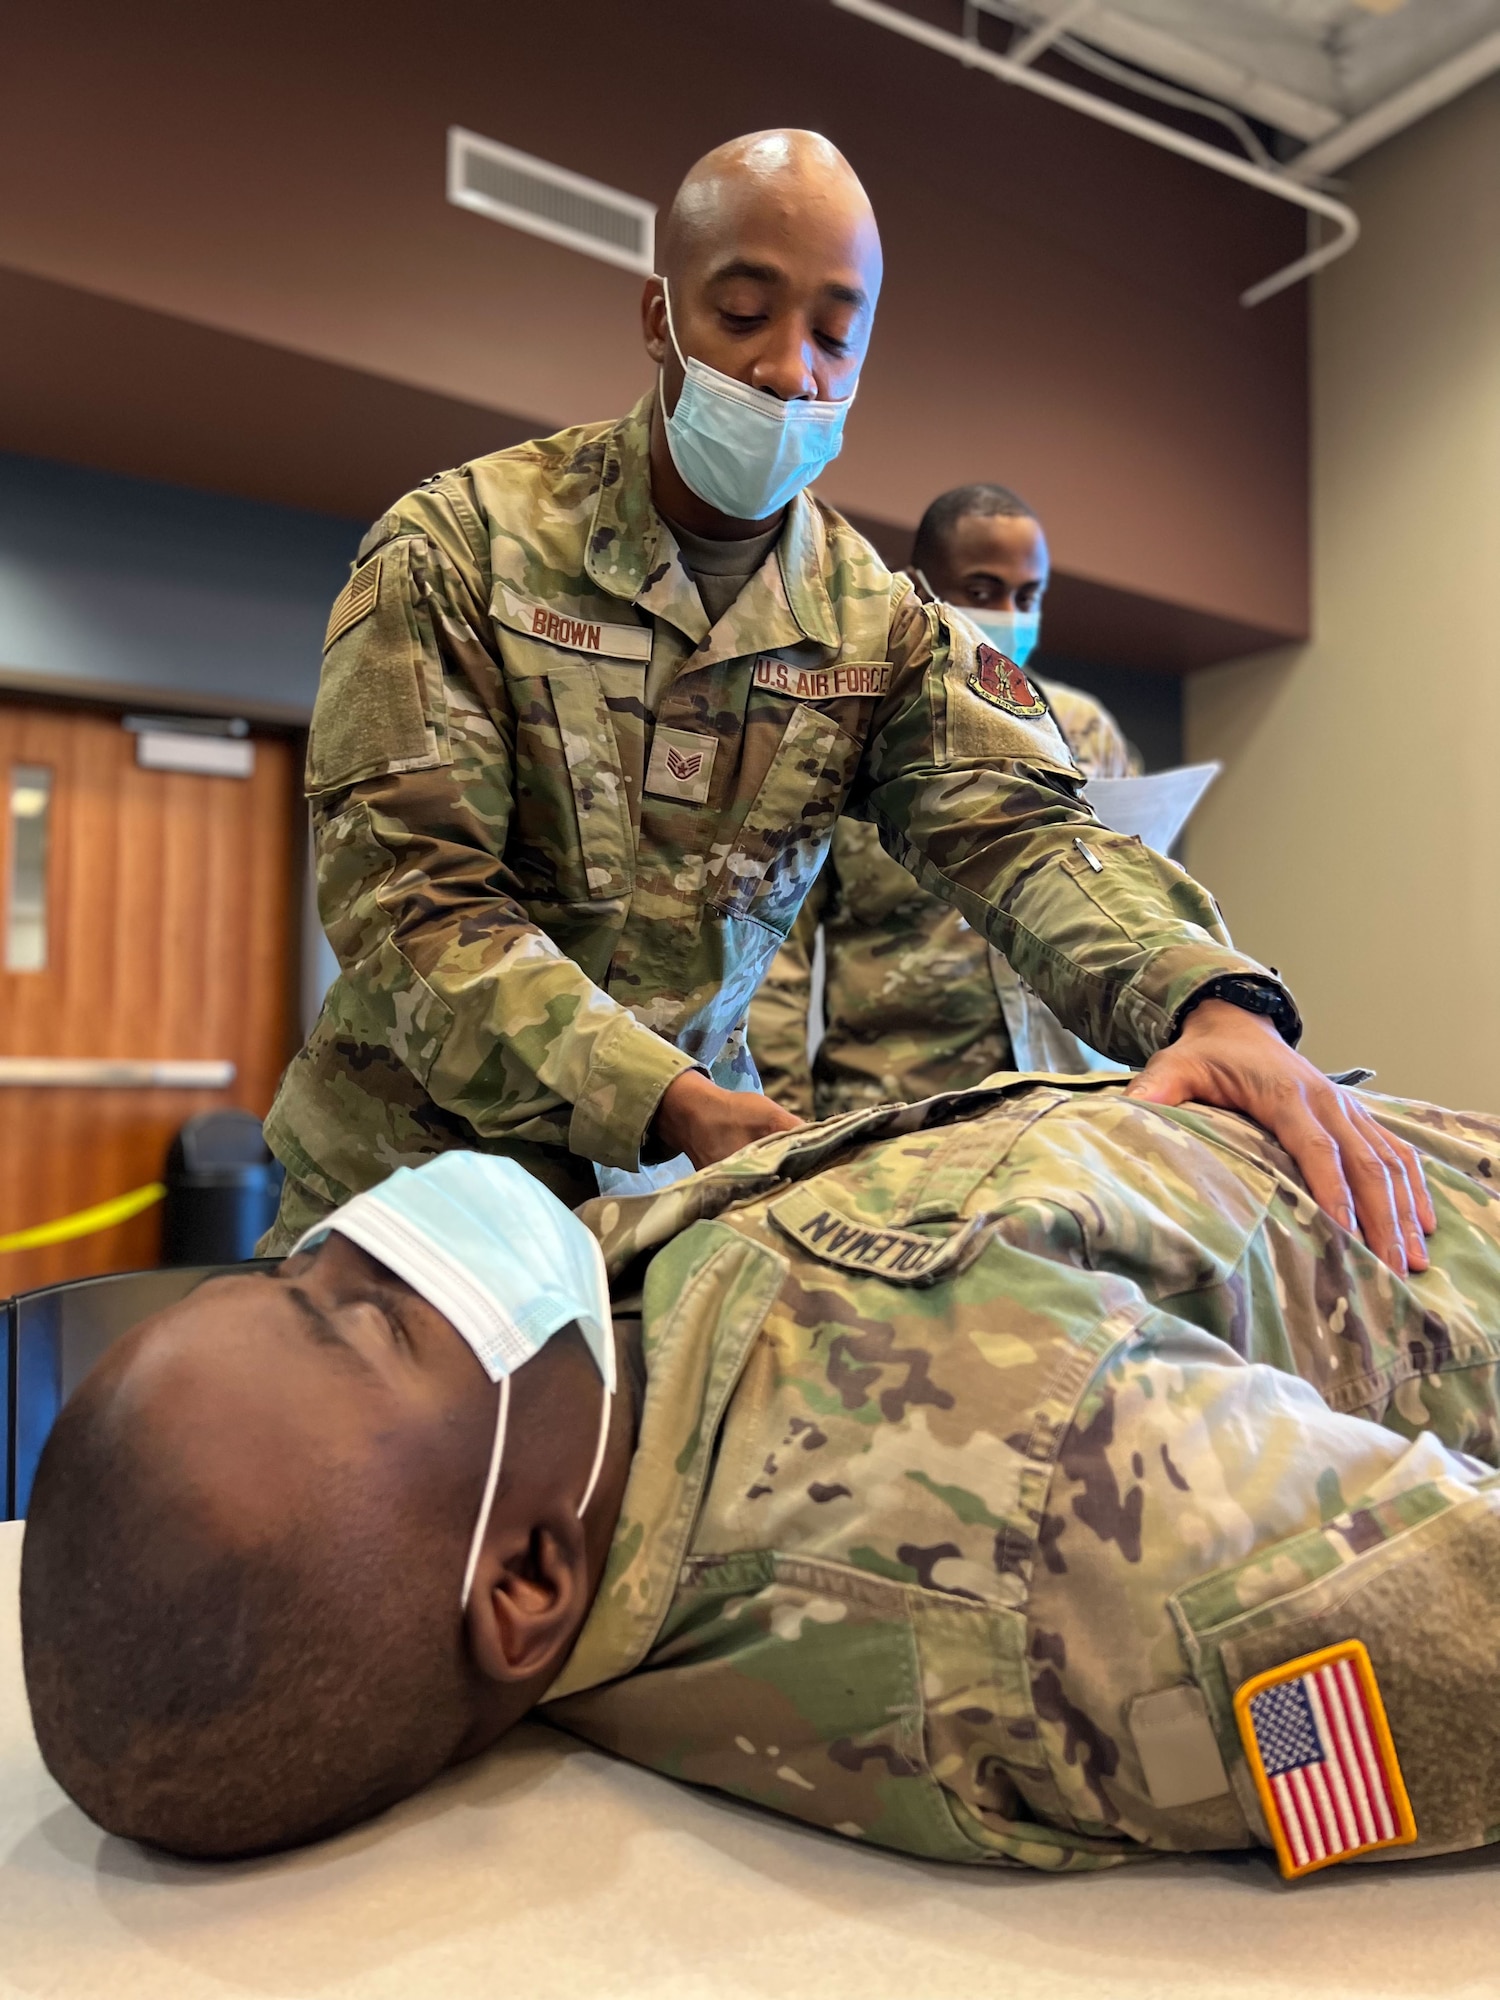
(529, 1598)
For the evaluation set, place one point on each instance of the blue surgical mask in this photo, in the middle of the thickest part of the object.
(744, 451)
(1013, 633)
(504, 1262)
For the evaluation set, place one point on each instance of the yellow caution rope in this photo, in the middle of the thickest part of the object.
(104, 1215)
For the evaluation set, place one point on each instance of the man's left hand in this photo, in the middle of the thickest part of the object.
(1364, 1178)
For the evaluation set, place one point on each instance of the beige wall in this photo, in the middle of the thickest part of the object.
(1354, 840)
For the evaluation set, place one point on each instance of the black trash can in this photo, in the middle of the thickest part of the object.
(223, 1186)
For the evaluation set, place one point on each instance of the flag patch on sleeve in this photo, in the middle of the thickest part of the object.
(355, 601)
(1320, 1751)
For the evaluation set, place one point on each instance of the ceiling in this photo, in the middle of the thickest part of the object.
(1303, 67)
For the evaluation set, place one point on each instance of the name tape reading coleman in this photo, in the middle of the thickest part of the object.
(821, 683)
(578, 635)
(902, 1256)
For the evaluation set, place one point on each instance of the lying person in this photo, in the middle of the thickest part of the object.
(1030, 1474)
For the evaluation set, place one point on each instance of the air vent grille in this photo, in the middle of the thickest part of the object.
(530, 194)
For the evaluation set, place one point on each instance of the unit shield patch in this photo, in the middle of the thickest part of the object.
(1320, 1751)
(1001, 683)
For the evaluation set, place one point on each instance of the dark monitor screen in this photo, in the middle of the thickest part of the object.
(54, 1338)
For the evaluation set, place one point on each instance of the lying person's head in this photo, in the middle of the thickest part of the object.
(269, 1584)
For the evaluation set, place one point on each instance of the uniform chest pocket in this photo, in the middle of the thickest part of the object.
(573, 820)
(783, 838)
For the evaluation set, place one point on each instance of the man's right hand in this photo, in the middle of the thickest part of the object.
(696, 1117)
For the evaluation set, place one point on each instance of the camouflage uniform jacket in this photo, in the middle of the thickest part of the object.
(562, 825)
(914, 1000)
(989, 1444)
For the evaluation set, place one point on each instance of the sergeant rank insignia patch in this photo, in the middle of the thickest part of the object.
(1001, 683)
(1320, 1751)
(682, 764)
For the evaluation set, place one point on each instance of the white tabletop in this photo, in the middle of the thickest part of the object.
(550, 1870)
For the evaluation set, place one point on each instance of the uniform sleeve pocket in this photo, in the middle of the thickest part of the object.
(380, 706)
(1352, 1674)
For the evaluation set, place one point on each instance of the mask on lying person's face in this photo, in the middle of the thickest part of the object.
(504, 1262)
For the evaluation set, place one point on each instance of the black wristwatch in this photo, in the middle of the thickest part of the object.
(1256, 996)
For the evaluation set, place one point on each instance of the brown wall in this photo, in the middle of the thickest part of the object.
(1060, 310)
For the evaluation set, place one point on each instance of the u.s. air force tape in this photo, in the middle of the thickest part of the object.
(900, 1256)
(857, 680)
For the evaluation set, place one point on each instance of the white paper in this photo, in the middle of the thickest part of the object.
(1157, 807)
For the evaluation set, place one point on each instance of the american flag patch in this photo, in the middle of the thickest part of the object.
(1320, 1751)
(355, 601)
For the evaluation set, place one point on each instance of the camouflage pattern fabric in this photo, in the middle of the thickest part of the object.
(562, 824)
(914, 1000)
(978, 1430)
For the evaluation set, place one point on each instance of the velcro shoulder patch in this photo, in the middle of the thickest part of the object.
(1319, 1748)
(858, 680)
(355, 601)
(900, 1256)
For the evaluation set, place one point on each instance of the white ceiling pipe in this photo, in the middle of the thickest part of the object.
(1404, 107)
(1041, 38)
(1149, 129)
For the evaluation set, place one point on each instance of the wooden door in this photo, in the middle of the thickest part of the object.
(165, 932)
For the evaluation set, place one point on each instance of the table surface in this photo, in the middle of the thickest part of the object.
(550, 1870)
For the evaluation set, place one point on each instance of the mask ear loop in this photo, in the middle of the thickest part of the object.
(598, 1465)
(492, 1480)
(666, 299)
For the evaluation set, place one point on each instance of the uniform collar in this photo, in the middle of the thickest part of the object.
(706, 1300)
(624, 538)
(633, 554)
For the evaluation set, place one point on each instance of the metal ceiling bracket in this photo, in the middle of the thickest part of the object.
(1008, 70)
(1404, 107)
(1041, 38)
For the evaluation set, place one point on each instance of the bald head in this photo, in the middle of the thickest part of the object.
(799, 177)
